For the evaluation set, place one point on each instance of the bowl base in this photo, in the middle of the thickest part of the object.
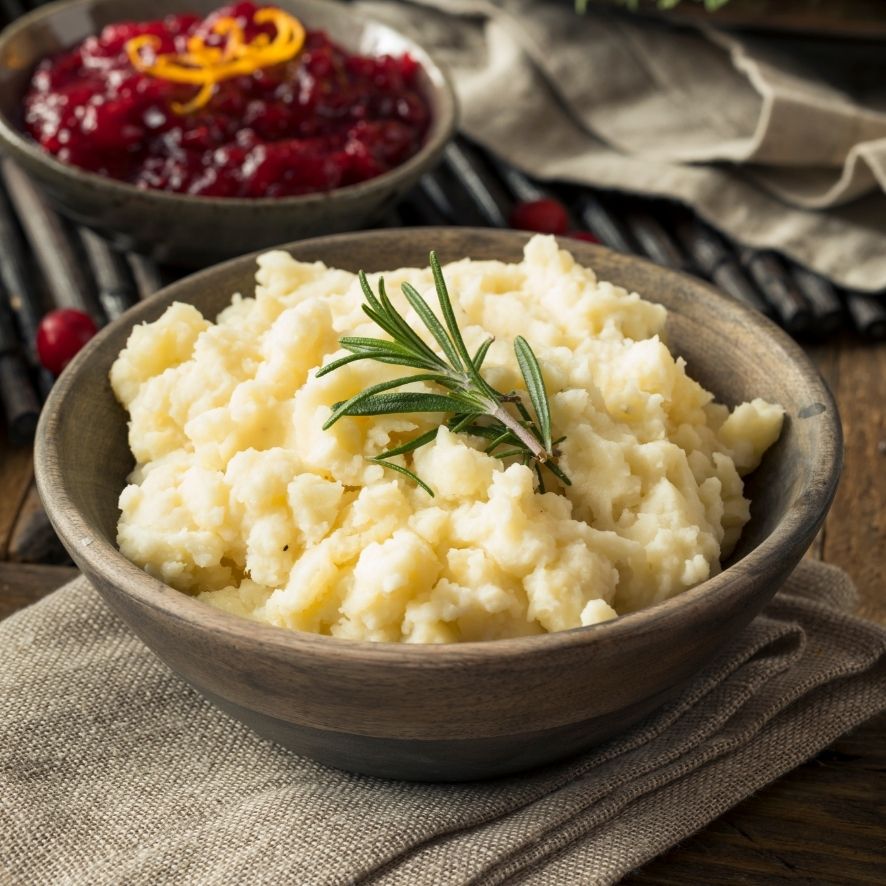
(475, 759)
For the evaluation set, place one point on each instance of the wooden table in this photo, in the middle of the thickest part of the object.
(858, 19)
(823, 823)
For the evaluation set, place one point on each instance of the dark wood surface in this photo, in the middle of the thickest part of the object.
(823, 823)
(857, 19)
(24, 583)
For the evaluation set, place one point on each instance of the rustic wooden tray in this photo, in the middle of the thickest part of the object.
(846, 19)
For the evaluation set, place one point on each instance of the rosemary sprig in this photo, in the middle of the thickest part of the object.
(474, 406)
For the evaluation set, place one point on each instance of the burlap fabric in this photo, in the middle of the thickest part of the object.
(113, 771)
(780, 144)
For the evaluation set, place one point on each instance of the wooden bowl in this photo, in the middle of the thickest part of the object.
(455, 711)
(162, 224)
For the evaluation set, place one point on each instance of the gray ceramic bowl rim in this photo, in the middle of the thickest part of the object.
(104, 558)
(443, 103)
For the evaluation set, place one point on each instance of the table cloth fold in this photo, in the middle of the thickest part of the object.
(113, 770)
(780, 143)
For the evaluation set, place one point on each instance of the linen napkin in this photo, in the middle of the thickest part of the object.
(779, 143)
(112, 770)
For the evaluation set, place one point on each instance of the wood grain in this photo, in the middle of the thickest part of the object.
(822, 824)
(21, 585)
(33, 540)
(855, 533)
(16, 472)
(863, 19)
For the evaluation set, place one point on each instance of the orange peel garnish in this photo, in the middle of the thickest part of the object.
(206, 66)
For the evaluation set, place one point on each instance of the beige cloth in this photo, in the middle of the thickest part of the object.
(113, 771)
(779, 144)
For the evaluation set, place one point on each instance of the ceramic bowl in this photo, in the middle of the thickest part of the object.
(454, 711)
(197, 231)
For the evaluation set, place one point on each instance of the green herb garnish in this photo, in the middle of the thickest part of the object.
(474, 407)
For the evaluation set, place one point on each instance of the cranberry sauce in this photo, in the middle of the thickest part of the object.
(323, 120)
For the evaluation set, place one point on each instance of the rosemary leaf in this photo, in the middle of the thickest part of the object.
(505, 437)
(535, 385)
(454, 331)
(429, 318)
(399, 329)
(419, 343)
(394, 359)
(558, 473)
(409, 401)
(541, 479)
(409, 446)
(360, 342)
(459, 422)
(508, 453)
(346, 407)
(487, 432)
(449, 314)
(381, 320)
(405, 471)
(337, 364)
(524, 412)
(368, 294)
(482, 351)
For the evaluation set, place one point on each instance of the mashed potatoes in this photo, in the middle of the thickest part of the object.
(240, 497)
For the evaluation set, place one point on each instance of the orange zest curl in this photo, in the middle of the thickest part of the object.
(206, 66)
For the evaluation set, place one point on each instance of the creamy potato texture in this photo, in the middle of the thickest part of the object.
(240, 497)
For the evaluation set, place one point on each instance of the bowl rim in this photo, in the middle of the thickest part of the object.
(796, 528)
(442, 101)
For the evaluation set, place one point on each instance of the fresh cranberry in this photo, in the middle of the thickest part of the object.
(545, 216)
(323, 119)
(60, 336)
(587, 236)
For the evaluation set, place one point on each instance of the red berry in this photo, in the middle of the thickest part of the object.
(60, 336)
(545, 216)
(587, 236)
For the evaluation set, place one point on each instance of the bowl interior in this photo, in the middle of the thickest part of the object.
(729, 349)
(59, 26)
